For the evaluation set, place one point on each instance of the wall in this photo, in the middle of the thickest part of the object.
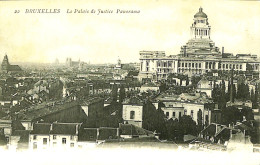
(138, 118)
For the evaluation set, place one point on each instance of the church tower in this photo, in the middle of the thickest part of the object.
(5, 64)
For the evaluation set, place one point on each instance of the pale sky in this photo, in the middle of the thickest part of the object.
(160, 25)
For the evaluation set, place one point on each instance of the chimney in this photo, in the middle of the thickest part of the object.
(97, 133)
(77, 129)
(230, 133)
(222, 51)
(117, 132)
(51, 127)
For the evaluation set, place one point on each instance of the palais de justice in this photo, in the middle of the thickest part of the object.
(197, 57)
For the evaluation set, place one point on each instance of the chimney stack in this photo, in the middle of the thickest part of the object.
(222, 51)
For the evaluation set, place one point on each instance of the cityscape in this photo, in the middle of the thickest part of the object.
(201, 99)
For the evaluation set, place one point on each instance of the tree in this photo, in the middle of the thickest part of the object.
(122, 94)
(163, 87)
(231, 115)
(222, 101)
(173, 130)
(199, 120)
(114, 93)
(153, 119)
(243, 92)
(3, 140)
(255, 100)
(188, 126)
(248, 113)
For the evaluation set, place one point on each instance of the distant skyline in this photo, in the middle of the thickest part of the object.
(160, 25)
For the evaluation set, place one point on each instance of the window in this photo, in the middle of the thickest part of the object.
(35, 145)
(54, 137)
(63, 140)
(34, 137)
(167, 114)
(44, 141)
(71, 145)
(185, 112)
(170, 105)
(71, 137)
(240, 66)
(132, 115)
(173, 114)
(207, 118)
(199, 65)
(191, 114)
(179, 114)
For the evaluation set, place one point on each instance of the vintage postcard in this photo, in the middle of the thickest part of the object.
(130, 82)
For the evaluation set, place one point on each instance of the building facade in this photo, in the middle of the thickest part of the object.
(197, 57)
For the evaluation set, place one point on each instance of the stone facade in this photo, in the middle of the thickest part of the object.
(197, 57)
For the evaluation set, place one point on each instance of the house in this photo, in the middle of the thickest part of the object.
(46, 135)
(64, 135)
(39, 137)
(205, 86)
(133, 112)
(192, 104)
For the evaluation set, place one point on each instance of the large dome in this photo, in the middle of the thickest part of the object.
(200, 14)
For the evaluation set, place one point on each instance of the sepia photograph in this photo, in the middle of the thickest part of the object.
(130, 82)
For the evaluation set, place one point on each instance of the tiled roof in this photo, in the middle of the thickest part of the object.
(129, 129)
(87, 134)
(41, 128)
(91, 101)
(133, 101)
(64, 128)
(107, 133)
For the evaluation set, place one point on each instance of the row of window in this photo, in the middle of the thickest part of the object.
(164, 64)
(230, 66)
(45, 141)
(190, 65)
(54, 137)
(185, 113)
(173, 114)
(197, 71)
(201, 32)
(54, 143)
